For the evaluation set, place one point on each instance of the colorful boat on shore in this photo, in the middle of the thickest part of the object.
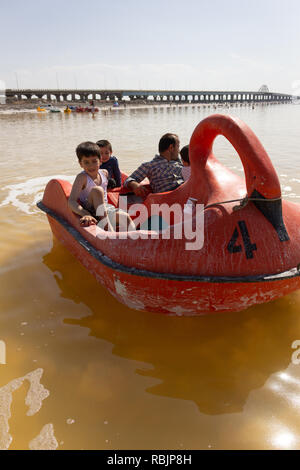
(250, 250)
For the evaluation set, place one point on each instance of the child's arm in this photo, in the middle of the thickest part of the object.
(117, 173)
(86, 218)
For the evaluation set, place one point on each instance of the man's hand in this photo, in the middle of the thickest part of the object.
(138, 189)
(141, 190)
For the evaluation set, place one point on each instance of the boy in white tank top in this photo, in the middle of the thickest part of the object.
(90, 189)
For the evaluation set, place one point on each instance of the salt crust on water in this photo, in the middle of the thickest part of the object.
(45, 440)
(34, 399)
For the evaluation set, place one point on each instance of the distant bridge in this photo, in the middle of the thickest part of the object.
(177, 96)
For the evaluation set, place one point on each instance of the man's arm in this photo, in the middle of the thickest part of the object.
(134, 180)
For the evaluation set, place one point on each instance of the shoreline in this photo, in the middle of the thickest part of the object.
(32, 106)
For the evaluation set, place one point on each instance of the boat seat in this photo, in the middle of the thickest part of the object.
(113, 197)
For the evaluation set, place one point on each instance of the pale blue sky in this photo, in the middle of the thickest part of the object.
(186, 44)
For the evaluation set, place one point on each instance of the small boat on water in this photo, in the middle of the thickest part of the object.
(250, 247)
(40, 109)
(44, 107)
(67, 110)
(54, 110)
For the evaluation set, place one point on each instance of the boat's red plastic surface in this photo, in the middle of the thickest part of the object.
(262, 238)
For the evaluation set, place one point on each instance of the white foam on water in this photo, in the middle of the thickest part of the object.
(36, 393)
(45, 440)
(17, 111)
(34, 399)
(32, 189)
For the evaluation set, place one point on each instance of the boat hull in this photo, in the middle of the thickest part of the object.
(170, 295)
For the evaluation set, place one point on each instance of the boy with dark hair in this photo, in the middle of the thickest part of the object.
(86, 149)
(186, 170)
(90, 189)
(109, 163)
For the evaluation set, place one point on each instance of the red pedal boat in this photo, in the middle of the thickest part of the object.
(251, 248)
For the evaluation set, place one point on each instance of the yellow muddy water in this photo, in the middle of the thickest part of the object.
(83, 371)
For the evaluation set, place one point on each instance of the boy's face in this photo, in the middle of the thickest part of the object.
(105, 154)
(90, 164)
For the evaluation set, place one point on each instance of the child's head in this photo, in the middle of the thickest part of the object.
(87, 149)
(105, 149)
(89, 157)
(184, 153)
